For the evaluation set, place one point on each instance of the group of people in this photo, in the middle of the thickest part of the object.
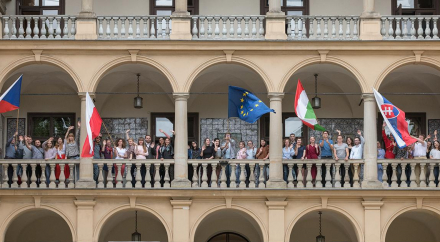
(344, 149)
(24, 147)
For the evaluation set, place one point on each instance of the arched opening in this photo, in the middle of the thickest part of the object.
(121, 225)
(414, 226)
(228, 221)
(340, 97)
(335, 227)
(38, 225)
(228, 237)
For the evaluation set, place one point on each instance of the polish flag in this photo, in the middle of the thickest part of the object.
(93, 126)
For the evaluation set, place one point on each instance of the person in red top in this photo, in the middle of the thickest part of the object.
(312, 152)
(389, 143)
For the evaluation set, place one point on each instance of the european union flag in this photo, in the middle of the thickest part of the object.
(245, 105)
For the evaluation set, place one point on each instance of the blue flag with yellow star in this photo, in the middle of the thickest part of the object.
(245, 105)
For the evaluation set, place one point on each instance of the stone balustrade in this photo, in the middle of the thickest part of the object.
(228, 27)
(409, 173)
(38, 27)
(322, 27)
(39, 174)
(134, 173)
(405, 27)
(134, 27)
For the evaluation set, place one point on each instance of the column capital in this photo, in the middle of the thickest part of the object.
(82, 95)
(368, 97)
(181, 204)
(372, 203)
(84, 203)
(274, 96)
(180, 96)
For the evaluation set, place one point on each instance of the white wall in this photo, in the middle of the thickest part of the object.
(346, 7)
(229, 7)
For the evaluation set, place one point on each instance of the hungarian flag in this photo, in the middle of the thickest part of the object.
(10, 100)
(93, 126)
(304, 110)
(395, 120)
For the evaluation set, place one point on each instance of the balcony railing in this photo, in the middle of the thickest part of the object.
(134, 27)
(38, 27)
(216, 174)
(322, 27)
(406, 27)
(228, 27)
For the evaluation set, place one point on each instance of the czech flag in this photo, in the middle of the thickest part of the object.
(93, 126)
(10, 100)
(395, 120)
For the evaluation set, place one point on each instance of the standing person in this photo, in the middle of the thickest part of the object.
(435, 154)
(120, 154)
(288, 153)
(217, 155)
(300, 151)
(241, 155)
(141, 153)
(208, 151)
(61, 155)
(380, 156)
(37, 153)
(357, 152)
(151, 155)
(107, 149)
(326, 146)
(196, 152)
(399, 154)
(340, 151)
(11, 147)
(311, 153)
(263, 154)
(428, 149)
(251, 150)
(389, 143)
(228, 147)
(26, 146)
(349, 141)
(292, 139)
(97, 155)
(419, 152)
(72, 147)
(159, 148)
(131, 147)
(50, 153)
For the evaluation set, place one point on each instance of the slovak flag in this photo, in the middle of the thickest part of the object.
(10, 100)
(395, 120)
(93, 126)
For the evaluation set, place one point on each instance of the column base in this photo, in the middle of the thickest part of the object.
(83, 183)
(275, 26)
(276, 184)
(86, 29)
(181, 27)
(370, 28)
(373, 184)
(180, 183)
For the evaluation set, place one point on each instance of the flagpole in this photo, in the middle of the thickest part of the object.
(106, 130)
(18, 114)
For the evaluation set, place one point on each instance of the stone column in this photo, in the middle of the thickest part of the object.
(181, 141)
(181, 228)
(275, 142)
(84, 219)
(86, 165)
(86, 24)
(370, 22)
(181, 7)
(181, 22)
(275, 7)
(370, 146)
(372, 218)
(276, 208)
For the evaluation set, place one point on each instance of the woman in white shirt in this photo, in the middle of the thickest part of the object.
(141, 150)
(120, 153)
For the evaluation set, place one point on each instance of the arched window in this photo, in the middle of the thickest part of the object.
(228, 237)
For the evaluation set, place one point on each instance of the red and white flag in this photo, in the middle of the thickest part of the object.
(93, 126)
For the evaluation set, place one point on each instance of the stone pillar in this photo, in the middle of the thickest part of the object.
(275, 142)
(181, 229)
(84, 219)
(86, 28)
(372, 218)
(276, 208)
(275, 21)
(370, 146)
(181, 141)
(370, 22)
(181, 22)
(86, 165)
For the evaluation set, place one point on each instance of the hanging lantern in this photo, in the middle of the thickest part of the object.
(138, 100)
(316, 101)
(320, 237)
(136, 236)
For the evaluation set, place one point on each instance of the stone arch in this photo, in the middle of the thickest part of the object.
(329, 60)
(405, 61)
(248, 212)
(234, 60)
(400, 212)
(98, 229)
(127, 60)
(29, 60)
(9, 219)
(359, 231)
